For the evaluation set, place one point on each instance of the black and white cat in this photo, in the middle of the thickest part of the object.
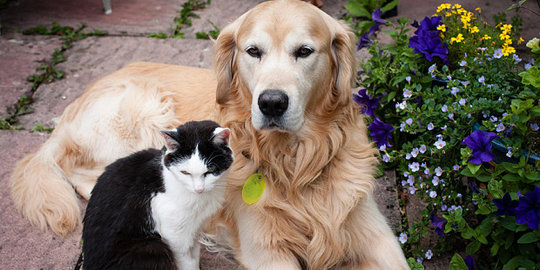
(147, 209)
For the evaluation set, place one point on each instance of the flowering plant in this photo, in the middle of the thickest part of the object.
(455, 111)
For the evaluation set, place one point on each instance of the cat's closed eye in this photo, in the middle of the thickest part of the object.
(185, 172)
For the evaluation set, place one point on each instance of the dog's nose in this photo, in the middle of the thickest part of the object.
(273, 102)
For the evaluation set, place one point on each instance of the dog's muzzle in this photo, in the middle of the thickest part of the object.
(273, 104)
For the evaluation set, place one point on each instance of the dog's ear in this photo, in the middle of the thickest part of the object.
(345, 61)
(225, 49)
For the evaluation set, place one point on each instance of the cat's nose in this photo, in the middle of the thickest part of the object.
(199, 190)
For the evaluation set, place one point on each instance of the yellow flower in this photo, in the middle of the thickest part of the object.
(507, 50)
(506, 28)
(457, 39)
(442, 28)
(486, 37)
(456, 6)
(504, 36)
(520, 40)
(508, 42)
(474, 29)
(533, 43)
(479, 10)
(443, 7)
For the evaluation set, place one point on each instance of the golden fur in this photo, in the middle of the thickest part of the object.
(317, 211)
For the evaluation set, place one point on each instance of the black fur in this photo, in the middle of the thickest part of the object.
(118, 230)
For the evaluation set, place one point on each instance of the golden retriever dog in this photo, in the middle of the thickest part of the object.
(282, 84)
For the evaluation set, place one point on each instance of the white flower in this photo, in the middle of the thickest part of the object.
(408, 156)
(435, 181)
(444, 207)
(383, 147)
(455, 90)
(440, 144)
(456, 167)
(429, 254)
(427, 171)
(430, 126)
(407, 93)
(516, 58)
(412, 190)
(432, 68)
(482, 79)
(402, 127)
(500, 127)
(444, 108)
(414, 152)
(402, 105)
(414, 166)
(459, 195)
(419, 260)
(527, 66)
(410, 180)
(423, 148)
(408, 79)
(462, 102)
(403, 183)
(433, 194)
(451, 116)
(406, 173)
(534, 127)
(493, 119)
(386, 158)
(409, 121)
(402, 238)
(438, 171)
(498, 53)
(463, 63)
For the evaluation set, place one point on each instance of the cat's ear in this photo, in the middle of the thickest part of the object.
(170, 142)
(221, 136)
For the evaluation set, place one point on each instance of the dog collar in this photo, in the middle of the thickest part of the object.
(253, 188)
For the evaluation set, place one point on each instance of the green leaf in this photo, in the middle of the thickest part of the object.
(357, 10)
(468, 233)
(512, 178)
(528, 238)
(473, 167)
(389, 6)
(457, 263)
(512, 263)
(494, 249)
(472, 247)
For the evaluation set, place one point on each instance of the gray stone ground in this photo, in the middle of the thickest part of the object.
(25, 247)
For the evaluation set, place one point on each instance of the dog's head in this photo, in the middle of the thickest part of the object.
(291, 58)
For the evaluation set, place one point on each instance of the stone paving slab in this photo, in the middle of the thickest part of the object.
(21, 245)
(136, 17)
(20, 55)
(94, 57)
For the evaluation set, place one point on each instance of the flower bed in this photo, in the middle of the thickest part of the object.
(424, 94)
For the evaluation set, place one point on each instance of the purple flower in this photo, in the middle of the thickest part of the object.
(528, 209)
(439, 223)
(427, 40)
(369, 103)
(469, 261)
(380, 132)
(363, 42)
(480, 143)
(505, 205)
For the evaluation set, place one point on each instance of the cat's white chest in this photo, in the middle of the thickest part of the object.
(178, 216)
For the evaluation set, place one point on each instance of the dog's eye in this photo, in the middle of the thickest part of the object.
(253, 51)
(303, 52)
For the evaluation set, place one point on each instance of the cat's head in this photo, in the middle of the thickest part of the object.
(198, 154)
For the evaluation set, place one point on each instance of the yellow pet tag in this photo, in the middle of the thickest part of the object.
(253, 188)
